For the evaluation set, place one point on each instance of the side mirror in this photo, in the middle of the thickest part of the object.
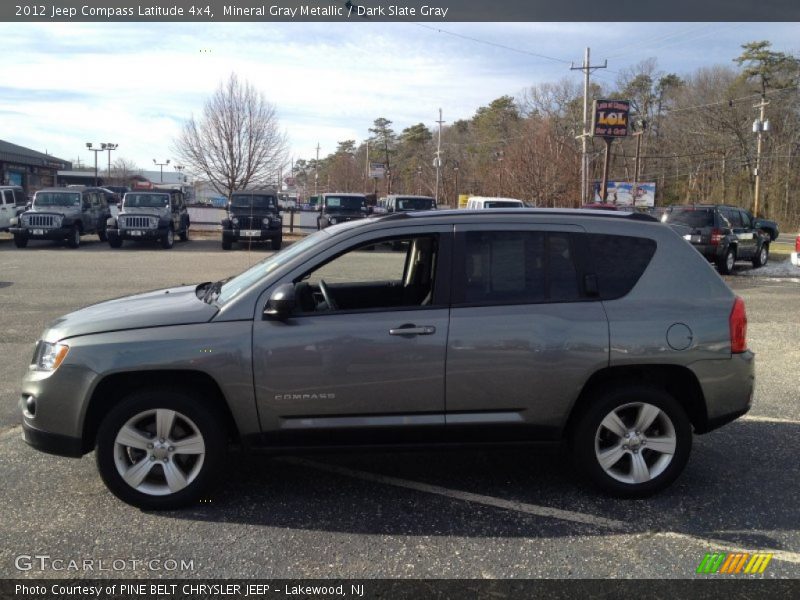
(281, 302)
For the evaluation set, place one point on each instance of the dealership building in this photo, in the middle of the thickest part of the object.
(28, 168)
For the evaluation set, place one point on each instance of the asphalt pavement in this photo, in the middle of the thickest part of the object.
(479, 513)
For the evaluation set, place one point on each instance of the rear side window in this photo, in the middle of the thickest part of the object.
(618, 262)
(517, 267)
(703, 217)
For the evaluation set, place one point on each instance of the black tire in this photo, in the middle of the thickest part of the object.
(762, 256)
(226, 244)
(726, 261)
(589, 440)
(20, 240)
(115, 241)
(201, 477)
(168, 239)
(74, 239)
(102, 235)
(184, 235)
(276, 243)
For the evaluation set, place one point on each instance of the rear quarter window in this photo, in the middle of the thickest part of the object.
(618, 262)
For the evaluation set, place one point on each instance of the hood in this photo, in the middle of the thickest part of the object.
(255, 212)
(144, 210)
(172, 306)
(54, 210)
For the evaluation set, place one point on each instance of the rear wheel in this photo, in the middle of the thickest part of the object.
(102, 235)
(727, 261)
(632, 441)
(20, 240)
(74, 239)
(226, 244)
(761, 257)
(276, 243)
(160, 449)
(184, 235)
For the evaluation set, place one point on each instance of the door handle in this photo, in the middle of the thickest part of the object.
(413, 330)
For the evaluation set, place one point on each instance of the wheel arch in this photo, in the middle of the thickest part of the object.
(678, 381)
(113, 388)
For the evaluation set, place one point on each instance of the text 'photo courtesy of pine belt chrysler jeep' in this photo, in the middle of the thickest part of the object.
(150, 216)
(253, 216)
(62, 214)
(604, 331)
(340, 208)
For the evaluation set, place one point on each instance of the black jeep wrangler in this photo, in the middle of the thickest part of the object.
(338, 208)
(253, 216)
(150, 215)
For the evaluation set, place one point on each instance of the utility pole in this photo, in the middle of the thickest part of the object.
(641, 126)
(316, 172)
(587, 68)
(760, 125)
(438, 161)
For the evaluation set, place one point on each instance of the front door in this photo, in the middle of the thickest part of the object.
(363, 355)
(8, 208)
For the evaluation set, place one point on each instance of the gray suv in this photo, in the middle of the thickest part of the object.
(603, 330)
(157, 215)
(62, 214)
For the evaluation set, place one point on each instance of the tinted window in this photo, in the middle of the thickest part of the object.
(146, 200)
(57, 199)
(414, 203)
(8, 197)
(502, 204)
(733, 217)
(253, 201)
(703, 217)
(344, 202)
(746, 222)
(618, 261)
(512, 267)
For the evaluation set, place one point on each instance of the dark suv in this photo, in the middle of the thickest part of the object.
(603, 330)
(339, 208)
(253, 216)
(723, 234)
(63, 214)
(149, 216)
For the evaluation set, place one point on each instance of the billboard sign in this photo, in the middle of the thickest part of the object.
(620, 193)
(610, 118)
(377, 170)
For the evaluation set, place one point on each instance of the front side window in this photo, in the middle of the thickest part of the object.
(384, 275)
(746, 222)
(518, 267)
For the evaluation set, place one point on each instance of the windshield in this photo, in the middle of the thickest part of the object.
(146, 200)
(502, 204)
(256, 201)
(345, 202)
(690, 217)
(57, 199)
(244, 280)
(414, 203)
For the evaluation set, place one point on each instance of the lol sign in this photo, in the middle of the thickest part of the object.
(610, 118)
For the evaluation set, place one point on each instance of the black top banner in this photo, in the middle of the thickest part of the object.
(604, 13)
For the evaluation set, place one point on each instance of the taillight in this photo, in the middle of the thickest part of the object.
(797, 244)
(738, 325)
(716, 236)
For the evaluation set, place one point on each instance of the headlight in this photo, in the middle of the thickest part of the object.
(153, 222)
(333, 220)
(49, 356)
(13, 222)
(58, 220)
(265, 221)
(234, 221)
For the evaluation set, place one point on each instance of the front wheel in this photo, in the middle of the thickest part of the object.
(160, 449)
(168, 240)
(276, 243)
(74, 239)
(632, 442)
(761, 258)
(115, 241)
(102, 235)
(226, 244)
(20, 240)
(184, 235)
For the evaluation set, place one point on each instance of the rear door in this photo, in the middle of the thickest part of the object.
(747, 234)
(524, 336)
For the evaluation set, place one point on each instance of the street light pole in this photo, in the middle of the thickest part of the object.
(162, 165)
(109, 146)
(95, 150)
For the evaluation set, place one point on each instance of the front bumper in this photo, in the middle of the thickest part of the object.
(258, 235)
(137, 234)
(52, 443)
(40, 233)
(728, 385)
(795, 259)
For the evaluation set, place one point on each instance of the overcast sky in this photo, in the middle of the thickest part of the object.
(65, 84)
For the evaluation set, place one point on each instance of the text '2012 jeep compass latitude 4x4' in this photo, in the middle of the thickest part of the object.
(606, 330)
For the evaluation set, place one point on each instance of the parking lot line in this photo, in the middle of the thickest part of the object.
(520, 507)
(770, 419)
(540, 511)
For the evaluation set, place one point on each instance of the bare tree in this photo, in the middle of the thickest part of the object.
(122, 169)
(237, 143)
